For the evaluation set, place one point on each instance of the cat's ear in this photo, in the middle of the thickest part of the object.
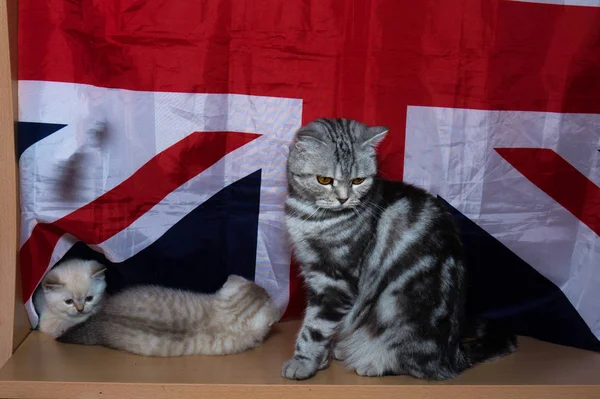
(51, 283)
(98, 271)
(308, 137)
(374, 135)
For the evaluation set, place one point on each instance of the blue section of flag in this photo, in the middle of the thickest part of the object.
(29, 133)
(216, 239)
(503, 286)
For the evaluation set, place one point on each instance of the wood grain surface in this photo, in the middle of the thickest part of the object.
(43, 368)
(13, 323)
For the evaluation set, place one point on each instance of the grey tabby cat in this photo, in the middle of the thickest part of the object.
(159, 321)
(382, 262)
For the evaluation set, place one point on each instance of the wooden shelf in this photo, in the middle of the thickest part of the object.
(43, 368)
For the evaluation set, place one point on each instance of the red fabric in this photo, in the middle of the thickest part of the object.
(560, 180)
(366, 60)
(104, 217)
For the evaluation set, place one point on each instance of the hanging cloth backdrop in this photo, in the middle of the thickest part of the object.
(156, 134)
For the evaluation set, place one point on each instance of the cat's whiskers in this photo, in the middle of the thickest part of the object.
(374, 205)
(368, 211)
(304, 220)
(294, 214)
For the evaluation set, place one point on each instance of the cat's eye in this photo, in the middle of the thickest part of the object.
(69, 301)
(89, 298)
(324, 180)
(357, 181)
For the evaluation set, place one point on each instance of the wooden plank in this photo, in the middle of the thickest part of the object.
(43, 368)
(9, 336)
(305, 391)
(21, 325)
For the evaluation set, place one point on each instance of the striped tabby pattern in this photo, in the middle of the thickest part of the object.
(382, 263)
(157, 321)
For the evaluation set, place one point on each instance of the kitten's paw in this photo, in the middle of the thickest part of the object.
(295, 369)
(368, 371)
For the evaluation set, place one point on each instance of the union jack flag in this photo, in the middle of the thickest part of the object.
(493, 105)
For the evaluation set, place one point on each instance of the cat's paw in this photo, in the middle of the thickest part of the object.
(338, 354)
(295, 369)
(325, 362)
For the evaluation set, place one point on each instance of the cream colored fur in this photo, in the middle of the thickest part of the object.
(69, 294)
(159, 321)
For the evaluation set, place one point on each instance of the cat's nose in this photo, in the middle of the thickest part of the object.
(79, 308)
(342, 200)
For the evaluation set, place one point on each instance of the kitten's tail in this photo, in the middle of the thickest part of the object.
(488, 340)
(90, 332)
(146, 339)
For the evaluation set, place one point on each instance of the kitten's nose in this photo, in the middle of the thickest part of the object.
(342, 200)
(79, 308)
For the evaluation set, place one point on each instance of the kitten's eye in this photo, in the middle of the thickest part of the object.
(324, 180)
(357, 181)
(69, 301)
(89, 298)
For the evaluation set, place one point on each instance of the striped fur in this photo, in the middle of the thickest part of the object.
(157, 321)
(382, 262)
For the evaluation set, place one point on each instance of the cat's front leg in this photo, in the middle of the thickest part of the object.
(311, 347)
(323, 316)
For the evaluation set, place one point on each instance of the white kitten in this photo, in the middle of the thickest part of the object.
(160, 321)
(69, 294)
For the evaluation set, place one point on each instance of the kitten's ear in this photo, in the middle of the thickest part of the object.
(99, 275)
(51, 283)
(375, 135)
(98, 271)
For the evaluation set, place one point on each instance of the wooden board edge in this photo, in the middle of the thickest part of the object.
(10, 313)
(65, 390)
(22, 326)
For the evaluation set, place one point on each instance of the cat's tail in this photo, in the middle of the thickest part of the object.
(90, 332)
(142, 336)
(488, 340)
